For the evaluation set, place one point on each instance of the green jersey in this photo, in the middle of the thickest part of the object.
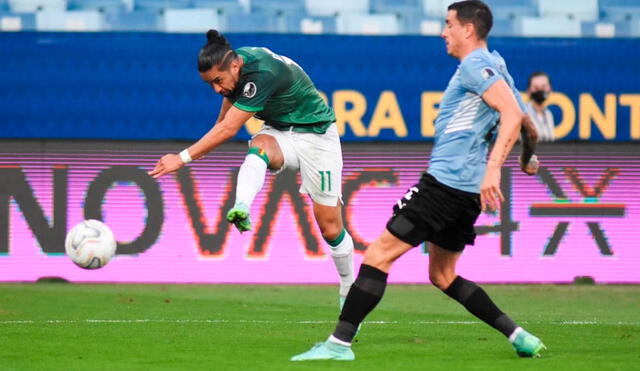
(280, 93)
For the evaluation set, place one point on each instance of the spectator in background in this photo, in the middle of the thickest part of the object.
(539, 89)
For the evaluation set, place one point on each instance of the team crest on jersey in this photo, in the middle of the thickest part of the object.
(488, 73)
(249, 90)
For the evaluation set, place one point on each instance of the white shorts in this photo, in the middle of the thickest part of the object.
(317, 156)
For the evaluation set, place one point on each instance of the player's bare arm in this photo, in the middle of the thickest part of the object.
(500, 97)
(529, 135)
(226, 104)
(220, 133)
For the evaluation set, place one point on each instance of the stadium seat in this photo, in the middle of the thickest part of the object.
(502, 27)
(103, 6)
(85, 20)
(367, 24)
(222, 7)
(17, 22)
(336, 7)
(139, 20)
(161, 5)
(318, 25)
(31, 6)
(404, 8)
(253, 23)
(278, 7)
(436, 8)
(191, 20)
(584, 10)
(619, 10)
(548, 27)
(512, 9)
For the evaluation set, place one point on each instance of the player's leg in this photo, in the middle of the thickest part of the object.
(264, 152)
(329, 219)
(363, 297)
(442, 273)
(320, 159)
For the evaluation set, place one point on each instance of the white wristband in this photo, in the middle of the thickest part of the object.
(185, 157)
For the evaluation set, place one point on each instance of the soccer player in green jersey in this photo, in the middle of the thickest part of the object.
(299, 134)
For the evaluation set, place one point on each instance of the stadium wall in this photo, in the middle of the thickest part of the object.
(145, 86)
(578, 217)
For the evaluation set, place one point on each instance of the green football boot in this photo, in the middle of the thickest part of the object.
(326, 351)
(239, 216)
(527, 345)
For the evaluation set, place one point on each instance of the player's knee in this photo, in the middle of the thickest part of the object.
(331, 231)
(439, 279)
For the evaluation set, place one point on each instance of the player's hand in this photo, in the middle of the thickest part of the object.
(490, 194)
(167, 164)
(530, 168)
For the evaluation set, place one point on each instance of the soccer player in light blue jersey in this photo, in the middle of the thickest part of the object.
(460, 182)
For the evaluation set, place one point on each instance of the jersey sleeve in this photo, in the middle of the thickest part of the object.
(256, 90)
(477, 75)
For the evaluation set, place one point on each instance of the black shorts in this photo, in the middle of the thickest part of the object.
(431, 211)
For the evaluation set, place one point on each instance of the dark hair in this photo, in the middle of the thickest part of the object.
(536, 74)
(476, 12)
(216, 52)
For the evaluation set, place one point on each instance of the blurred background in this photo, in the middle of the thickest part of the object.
(93, 92)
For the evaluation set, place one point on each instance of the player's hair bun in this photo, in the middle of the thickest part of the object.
(215, 37)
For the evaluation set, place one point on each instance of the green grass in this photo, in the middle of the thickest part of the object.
(191, 327)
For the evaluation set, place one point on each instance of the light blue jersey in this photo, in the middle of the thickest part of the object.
(466, 124)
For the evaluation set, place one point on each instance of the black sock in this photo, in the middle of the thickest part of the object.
(364, 295)
(476, 300)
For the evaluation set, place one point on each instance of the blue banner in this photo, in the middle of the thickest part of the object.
(145, 86)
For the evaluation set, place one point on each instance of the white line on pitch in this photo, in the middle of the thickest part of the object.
(307, 322)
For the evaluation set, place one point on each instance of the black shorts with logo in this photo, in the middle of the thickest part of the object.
(431, 211)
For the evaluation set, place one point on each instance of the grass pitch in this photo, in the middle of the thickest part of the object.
(192, 327)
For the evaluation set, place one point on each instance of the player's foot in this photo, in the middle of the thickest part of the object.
(326, 351)
(239, 216)
(527, 345)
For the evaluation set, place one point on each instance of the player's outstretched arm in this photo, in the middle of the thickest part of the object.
(528, 160)
(500, 97)
(220, 133)
(224, 108)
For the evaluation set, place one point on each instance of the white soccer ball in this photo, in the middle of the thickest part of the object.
(90, 244)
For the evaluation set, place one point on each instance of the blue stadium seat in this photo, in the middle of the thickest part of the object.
(619, 10)
(4, 6)
(548, 27)
(161, 5)
(512, 9)
(435, 8)
(335, 7)
(252, 23)
(222, 7)
(278, 7)
(191, 20)
(584, 10)
(404, 8)
(502, 27)
(103, 6)
(139, 20)
(599, 29)
(31, 6)
(17, 21)
(368, 24)
(82, 21)
(318, 25)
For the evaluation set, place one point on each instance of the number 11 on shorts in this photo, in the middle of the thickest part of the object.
(325, 175)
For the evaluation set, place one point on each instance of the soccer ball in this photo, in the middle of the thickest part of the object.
(90, 244)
